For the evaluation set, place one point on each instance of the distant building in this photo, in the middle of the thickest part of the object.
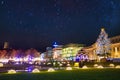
(69, 51)
(57, 51)
(49, 52)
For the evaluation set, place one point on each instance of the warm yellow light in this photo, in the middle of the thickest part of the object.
(95, 65)
(49, 63)
(76, 64)
(1, 64)
(100, 66)
(60, 64)
(111, 65)
(68, 64)
(84, 67)
(102, 29)
(69, 68)
(118, 66)
(11, 71)
(51, 70)
(35, 70)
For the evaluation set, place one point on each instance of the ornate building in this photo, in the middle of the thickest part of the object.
(114, 49)
(91, 52)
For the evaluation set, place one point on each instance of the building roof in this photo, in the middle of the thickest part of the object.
(115, 39)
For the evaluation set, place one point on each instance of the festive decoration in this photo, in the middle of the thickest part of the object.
(84, 67)
(1, 64)
(76, 64)
(111, 65)
(82, 57)
(118, 66)
(95, 65)
(69, 68)
(51, 70)
(11, 71)
(35, 70)
(103, 44)
(100, 66)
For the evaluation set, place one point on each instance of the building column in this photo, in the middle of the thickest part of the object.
(116, 52)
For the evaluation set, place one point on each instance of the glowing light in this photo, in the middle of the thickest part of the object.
(100, 66)
(36, 59)
(29, 69)
(68, 64)
(11, 71)
(102, 29)
(1, 64)
(60, 64)
(69, 68)
(84, 67)
(103, 44)
(54, 63)
(4, 60)
(51, 70)
(111, 65)
(95, 65)
(49, 63)
(55, 45)
(118, 66)
(42, 57)
(35, 70)
(76, 64)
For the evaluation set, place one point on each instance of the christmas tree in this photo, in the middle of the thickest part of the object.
(103, 44)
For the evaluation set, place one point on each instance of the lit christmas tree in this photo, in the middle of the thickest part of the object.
(103, 44)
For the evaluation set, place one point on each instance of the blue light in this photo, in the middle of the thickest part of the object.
(55, 45)
(29, 70)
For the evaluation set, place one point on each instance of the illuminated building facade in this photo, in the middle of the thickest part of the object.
(66, 52)
(49, 52)
(69, 51)
(57, 51)
(114, 49)
(91, 52)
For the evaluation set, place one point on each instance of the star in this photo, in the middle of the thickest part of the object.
(2, 2)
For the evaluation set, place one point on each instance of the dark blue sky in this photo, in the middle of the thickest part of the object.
(38, 23)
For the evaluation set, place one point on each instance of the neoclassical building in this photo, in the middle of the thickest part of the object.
(91, 52)
(114, 49)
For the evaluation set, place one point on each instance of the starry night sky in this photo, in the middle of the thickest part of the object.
(38, 23)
